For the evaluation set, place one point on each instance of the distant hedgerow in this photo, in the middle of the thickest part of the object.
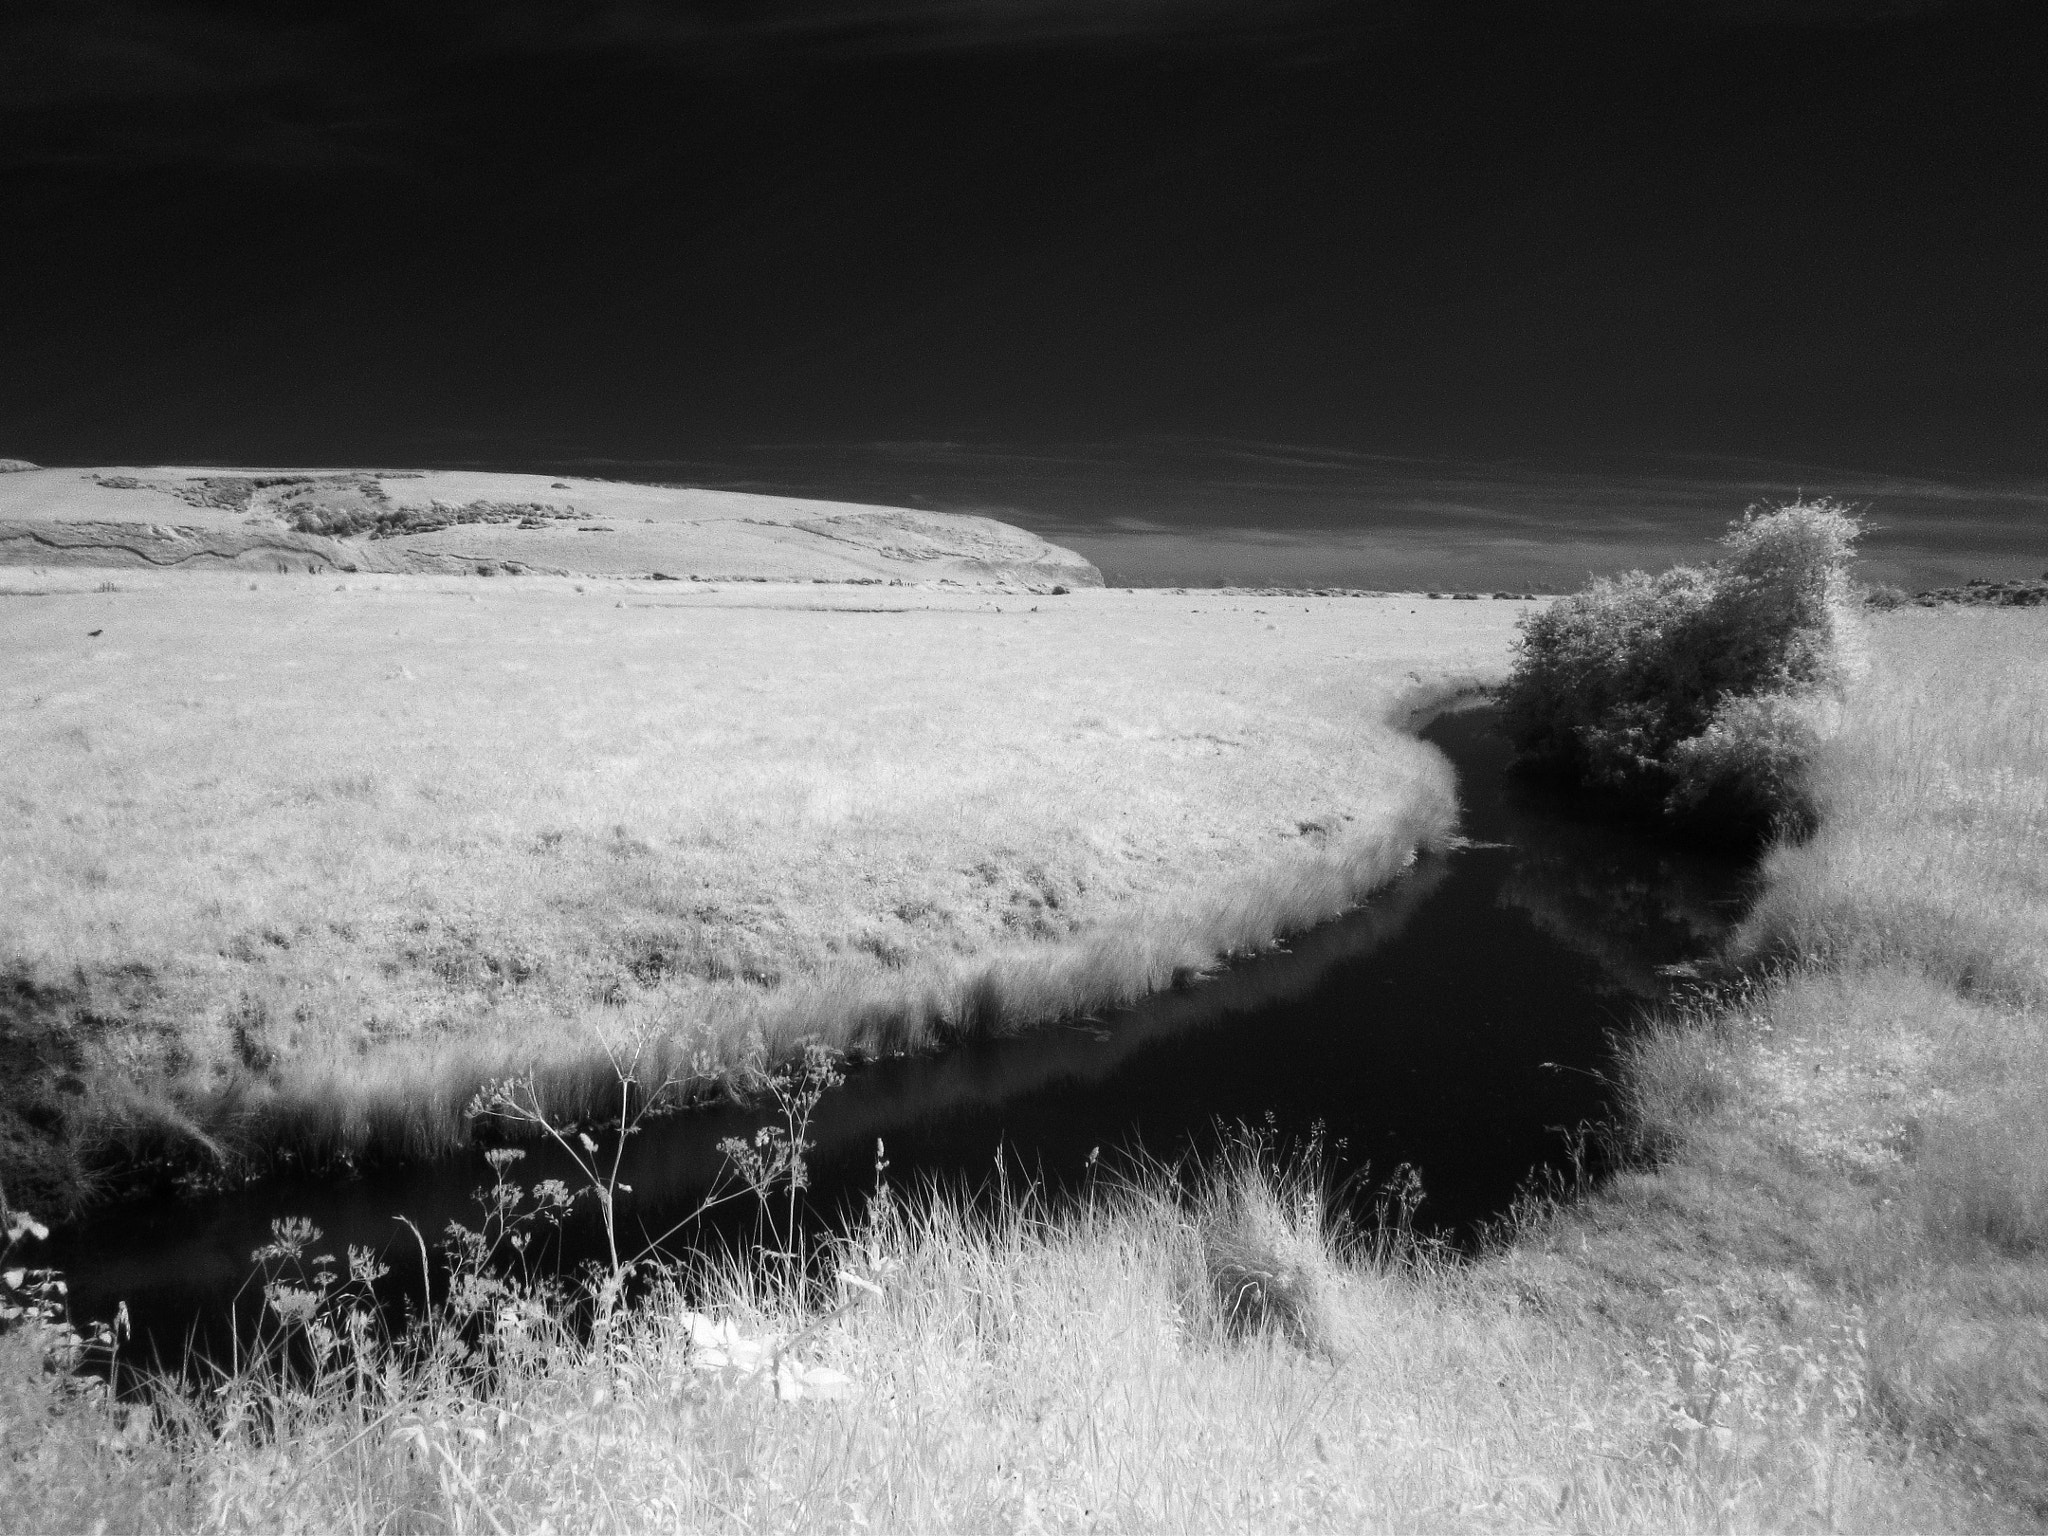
(1702, 689)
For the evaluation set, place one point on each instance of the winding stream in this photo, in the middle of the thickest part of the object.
(1457, 1023)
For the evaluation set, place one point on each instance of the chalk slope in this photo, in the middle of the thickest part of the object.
(452, 521)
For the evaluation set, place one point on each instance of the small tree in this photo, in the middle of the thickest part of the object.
(1700, 689)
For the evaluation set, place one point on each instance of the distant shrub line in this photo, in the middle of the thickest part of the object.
(343, 505)
(380, 521)
(1979, 592)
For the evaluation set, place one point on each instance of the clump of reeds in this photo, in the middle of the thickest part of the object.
(1270, 1245)
(1265, 1261)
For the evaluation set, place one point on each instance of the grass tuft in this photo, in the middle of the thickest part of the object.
(1267, 1262)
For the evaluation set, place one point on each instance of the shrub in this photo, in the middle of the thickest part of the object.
(1749, 764)
(1702, 689)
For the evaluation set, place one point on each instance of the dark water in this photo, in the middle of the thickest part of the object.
(1458, 1024)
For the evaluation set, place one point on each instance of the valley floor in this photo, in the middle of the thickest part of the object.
(1816, 1302)
(298, 863)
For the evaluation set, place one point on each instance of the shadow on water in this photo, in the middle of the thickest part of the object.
(1457, 1023)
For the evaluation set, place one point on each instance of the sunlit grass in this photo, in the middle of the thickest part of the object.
(1933, 847)
(1866, 1135)
(302, 866)
(1097, 1368)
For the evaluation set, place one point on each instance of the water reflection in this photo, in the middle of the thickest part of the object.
(1638, 914)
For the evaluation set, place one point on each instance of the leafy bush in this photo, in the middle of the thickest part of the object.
(1749, 764)
(1702, 689)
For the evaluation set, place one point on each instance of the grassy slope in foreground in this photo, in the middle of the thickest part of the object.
(303, 865)
(1854, 1154)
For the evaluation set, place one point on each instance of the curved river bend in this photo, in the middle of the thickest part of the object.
(1457, 1023)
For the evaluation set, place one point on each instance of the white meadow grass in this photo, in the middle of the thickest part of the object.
(1093, 1369)
(1933, 845)
(302, 867)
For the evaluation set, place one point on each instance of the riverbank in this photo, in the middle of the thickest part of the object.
(1854, 1146)
(296, 865)
(1207, 1360)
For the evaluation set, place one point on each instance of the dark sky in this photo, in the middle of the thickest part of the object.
(522, 233)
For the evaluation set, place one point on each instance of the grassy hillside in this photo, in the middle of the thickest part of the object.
(301, 864)
(300, 521)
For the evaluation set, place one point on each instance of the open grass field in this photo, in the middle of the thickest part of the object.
(297, 863)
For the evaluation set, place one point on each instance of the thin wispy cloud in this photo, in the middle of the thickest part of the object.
(71, 50)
